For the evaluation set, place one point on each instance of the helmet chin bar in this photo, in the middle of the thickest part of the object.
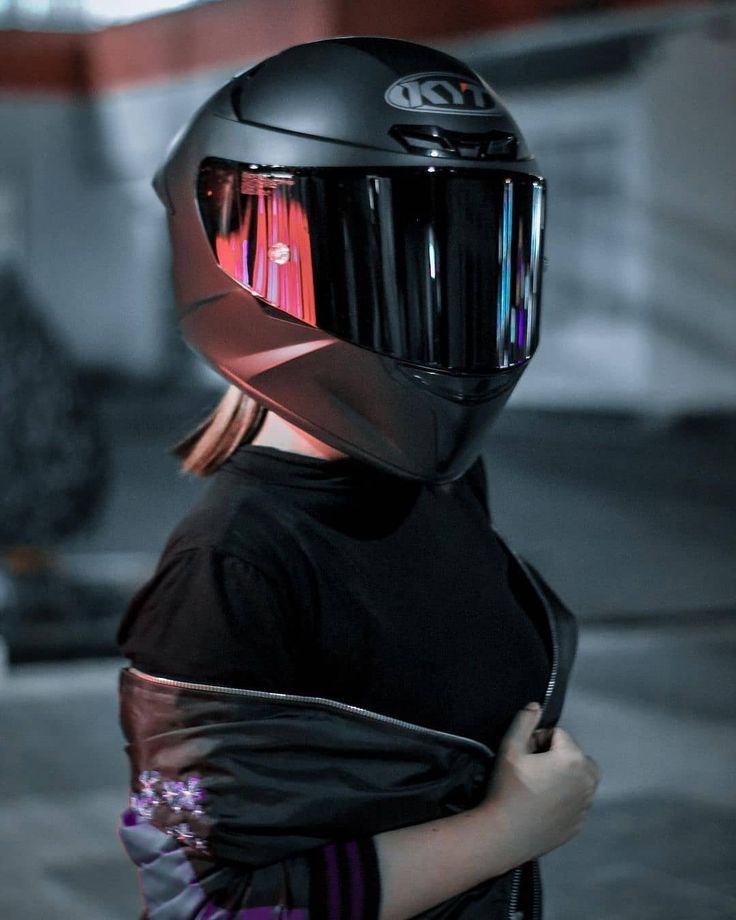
(367, 405)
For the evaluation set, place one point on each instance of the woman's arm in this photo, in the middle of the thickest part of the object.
(423, 865)
(212, 618)
(537, 801)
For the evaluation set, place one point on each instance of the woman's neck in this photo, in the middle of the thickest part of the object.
(277, 432)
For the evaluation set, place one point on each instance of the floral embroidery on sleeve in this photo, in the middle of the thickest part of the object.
(170, 801)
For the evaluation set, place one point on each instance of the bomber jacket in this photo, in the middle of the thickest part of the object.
(235, 790)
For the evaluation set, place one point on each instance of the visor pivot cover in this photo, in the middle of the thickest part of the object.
(279, 253)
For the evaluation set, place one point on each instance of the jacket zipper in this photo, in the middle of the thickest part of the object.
(322, 701)
(555, 652)
(537, 908)
(513, 913)
(548, 614)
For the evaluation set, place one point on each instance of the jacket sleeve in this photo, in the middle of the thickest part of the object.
(213, 618)
(337, 881)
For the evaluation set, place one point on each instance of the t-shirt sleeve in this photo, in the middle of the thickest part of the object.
(210, 617)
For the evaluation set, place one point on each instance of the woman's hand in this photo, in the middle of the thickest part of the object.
(535, 802)
(542, 787)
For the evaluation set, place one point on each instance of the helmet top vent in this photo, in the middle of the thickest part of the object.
(433, 141)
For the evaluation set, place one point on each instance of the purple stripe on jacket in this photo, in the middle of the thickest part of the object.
(170, 886)
(356, 878)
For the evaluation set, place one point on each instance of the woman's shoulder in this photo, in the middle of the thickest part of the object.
(247, 523)
(225, 604)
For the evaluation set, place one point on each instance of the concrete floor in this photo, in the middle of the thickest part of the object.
(632, 523)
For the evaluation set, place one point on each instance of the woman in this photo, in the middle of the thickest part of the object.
(327, 710)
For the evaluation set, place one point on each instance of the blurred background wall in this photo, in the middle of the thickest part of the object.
(613, 469)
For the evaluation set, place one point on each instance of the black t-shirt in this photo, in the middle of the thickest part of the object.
(332, 579)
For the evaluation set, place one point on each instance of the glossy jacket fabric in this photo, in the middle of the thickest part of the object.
(235, 790)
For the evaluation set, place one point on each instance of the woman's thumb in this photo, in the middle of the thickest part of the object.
(518, 738)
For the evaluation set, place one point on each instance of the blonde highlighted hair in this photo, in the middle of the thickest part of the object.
(235, 420)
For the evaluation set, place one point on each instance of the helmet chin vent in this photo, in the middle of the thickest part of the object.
(468, 390)
(433, 141)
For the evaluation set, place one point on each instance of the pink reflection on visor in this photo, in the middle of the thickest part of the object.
(269, 252)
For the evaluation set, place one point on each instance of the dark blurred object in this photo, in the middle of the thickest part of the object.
(53, 461)
(47, 614)
(54, 468)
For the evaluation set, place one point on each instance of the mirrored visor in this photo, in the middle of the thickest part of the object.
(438, 267)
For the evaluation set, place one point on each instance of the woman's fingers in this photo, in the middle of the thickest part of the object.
(562, 741)
(518, 738)
(595, 770)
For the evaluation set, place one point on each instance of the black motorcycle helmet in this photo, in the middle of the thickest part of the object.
(357, 232)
